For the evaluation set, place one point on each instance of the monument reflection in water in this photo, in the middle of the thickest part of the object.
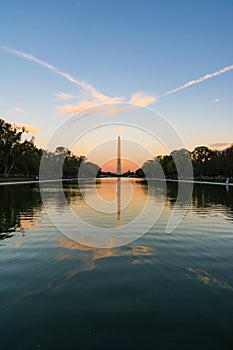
(162, 291)
(118, 199)
(159, 288)
(119, 179)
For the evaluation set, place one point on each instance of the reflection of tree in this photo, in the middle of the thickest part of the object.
(5, 235)
(57, 195)
(17, 203)
(209, 197)
(72, 192)
(206, 197)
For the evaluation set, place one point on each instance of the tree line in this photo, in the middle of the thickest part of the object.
(20, 157)
(206, 163)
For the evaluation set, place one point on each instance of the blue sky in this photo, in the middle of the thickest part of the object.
(125, 50)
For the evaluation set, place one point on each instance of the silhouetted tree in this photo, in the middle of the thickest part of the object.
(10, 139)
(201, 156)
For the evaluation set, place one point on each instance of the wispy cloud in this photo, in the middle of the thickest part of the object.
(96, 97)
(220, 99)
(199, 80)
(139, 98)
(16, 110)
(139, 101)
(28, 127)
(101, 98)
(113, 110)
(219, 145)
(142, 99)
(65, 96)
(72, 109)
(118, 128)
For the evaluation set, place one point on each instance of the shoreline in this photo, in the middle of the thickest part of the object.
(24, 182)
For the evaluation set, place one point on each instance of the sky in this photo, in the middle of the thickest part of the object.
(58, 58)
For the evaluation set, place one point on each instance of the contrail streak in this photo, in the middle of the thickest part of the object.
(199, 80)
(67, 76)
(104, 98)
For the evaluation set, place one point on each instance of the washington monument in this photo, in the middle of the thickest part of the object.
(119, 155)
(119, 180)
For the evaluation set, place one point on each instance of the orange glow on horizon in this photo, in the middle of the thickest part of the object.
(126, 165)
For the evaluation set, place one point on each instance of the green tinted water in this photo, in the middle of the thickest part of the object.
(163, 291)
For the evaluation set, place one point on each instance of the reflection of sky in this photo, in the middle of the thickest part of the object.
(43, 265)
(100, 208)
(208, 203)
(140, 254)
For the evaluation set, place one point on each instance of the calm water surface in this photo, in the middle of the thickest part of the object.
(163, 291)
